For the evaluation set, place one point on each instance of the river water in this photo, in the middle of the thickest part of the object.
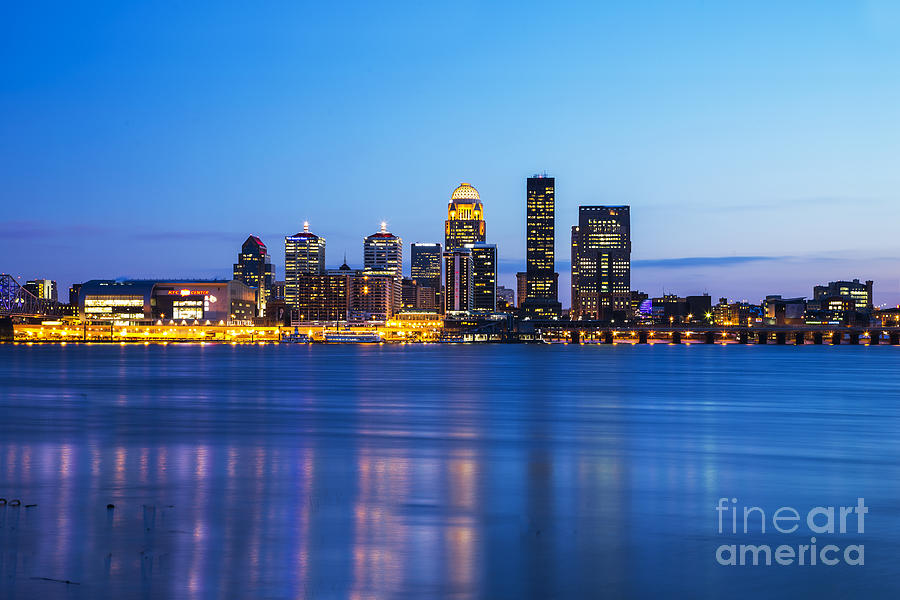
(457, 471)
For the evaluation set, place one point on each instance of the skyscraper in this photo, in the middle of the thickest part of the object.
(425, 269)
(304, 253)
(254, 269)
(383, 251)
(465, 218)
(540, 234)
(458, 280)
(601, 263)
(484, 276)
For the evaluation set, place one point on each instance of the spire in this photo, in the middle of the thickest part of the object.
(305, 226)
(383, 227)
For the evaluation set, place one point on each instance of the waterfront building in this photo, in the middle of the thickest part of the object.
(42, 289)
(254, 269)
(322, 297)
(458, 280)
(601, 267)
(304, 253)
(734, 314)
(131, 301)
(465, 218)
(484, 276)
(373, 295)
(383, 251)
(860, 294)
(541, 282)
(784, 311)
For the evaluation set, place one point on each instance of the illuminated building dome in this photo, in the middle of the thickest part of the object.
(465, 194)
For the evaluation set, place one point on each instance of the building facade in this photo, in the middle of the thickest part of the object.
(42, 289)
(484, 276)
(425, 268)
(541, 289)
(131, 301)
(254, 269)
(601, 266)
(458, 280)
(383, 251)
(304, 254)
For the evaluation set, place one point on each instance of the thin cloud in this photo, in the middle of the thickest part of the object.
(701, 261)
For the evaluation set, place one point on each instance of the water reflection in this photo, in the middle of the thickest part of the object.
(522, 482)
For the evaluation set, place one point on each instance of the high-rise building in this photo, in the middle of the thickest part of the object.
(465, 218)
(458, 280)
(484, 276)
(43, 289)
(541, 279)
(601, 265)
(383, 251)
(254, 269)
(304, 253)
(425, 269)
(322, 296)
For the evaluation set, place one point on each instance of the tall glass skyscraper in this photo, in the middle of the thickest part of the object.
(601, 263)
(383, 251)
(484, 276)
(304, 253)
(254, 269)
(425, 269)
(541, 291)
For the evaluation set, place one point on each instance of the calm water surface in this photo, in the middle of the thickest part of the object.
(438, 471)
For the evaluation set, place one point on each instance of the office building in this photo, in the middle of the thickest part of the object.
(383, 251)
(521, 288)
(859, 293)
(601, 266)
(42, 289)
(541, 281)
(322, 297)
(484, 276)
(458, 280)
(254, 269)
(465, 218)
(425, 268)
(304, 253)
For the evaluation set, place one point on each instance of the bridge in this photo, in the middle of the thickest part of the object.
(607, 333)
(17, 301)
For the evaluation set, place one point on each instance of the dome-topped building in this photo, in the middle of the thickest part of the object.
(464, 193)
(465, 218)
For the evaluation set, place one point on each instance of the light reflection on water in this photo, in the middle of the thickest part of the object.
(496, 471)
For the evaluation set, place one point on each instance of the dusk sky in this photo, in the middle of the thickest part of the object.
(758, 143)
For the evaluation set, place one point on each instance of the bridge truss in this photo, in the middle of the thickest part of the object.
(16, 300)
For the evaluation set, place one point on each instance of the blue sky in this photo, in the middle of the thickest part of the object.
(757, 142)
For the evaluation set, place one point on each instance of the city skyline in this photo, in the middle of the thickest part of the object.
(742, 160)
